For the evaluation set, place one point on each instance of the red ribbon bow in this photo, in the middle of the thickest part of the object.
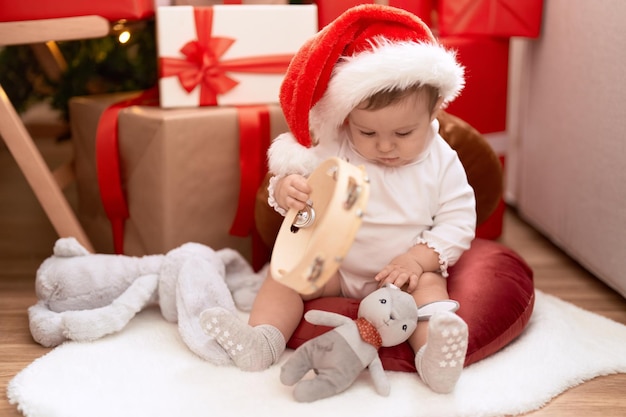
(203, 65)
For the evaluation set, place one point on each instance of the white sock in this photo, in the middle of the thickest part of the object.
(440, 361)
(251, 348)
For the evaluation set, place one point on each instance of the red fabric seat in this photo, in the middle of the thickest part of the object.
(494, 287)
(492, 283)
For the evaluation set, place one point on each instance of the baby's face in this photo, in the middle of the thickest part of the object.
(394, 135)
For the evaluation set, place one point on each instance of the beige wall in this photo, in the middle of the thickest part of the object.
(567, 171)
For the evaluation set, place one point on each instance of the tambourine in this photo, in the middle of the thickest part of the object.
(312, 243)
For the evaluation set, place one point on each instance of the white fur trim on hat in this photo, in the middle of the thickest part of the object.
(386, 66)
(287, 156)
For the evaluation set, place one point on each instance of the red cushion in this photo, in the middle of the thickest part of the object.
(492, 283)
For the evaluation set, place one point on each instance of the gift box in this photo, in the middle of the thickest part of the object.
(112, 10)
(500, 18)
(228, 55)
(180, 173)
(483, 101)
(329, 10)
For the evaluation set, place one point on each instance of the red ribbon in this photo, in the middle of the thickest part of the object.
(203, 66)
(254, 140)
(108, 164)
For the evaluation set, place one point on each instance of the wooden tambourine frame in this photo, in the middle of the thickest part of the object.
(312, 243)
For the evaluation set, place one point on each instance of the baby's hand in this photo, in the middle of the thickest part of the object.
(292, 192)
(403, 270)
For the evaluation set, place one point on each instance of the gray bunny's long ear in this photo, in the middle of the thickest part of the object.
(200, 286)
(50, 328)
(88, 325)
(241, 279)
(426, 311)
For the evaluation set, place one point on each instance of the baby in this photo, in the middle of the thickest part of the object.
(368, 88)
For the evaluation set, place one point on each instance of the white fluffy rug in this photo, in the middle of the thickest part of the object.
(146, 370)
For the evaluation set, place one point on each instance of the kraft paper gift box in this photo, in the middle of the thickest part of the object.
(180, 172)
(228, 54)
(500, 18)
(11, 10)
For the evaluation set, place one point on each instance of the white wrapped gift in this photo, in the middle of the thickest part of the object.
(214, 2)
(228, 54)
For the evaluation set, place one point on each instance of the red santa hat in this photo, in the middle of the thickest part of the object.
(368, 49)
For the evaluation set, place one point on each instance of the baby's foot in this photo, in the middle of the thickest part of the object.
(250, 348)
(440, 361)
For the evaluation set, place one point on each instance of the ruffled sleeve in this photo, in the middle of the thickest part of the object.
(454, 223)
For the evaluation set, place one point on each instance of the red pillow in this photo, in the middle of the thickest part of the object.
(494, 287)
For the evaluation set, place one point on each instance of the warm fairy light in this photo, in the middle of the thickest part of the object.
(124, 36)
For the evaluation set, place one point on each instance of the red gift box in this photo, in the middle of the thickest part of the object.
(329, 10)
(11, 11)
(502, 18)
(483, 101)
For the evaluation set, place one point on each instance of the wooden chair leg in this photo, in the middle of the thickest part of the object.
(50, 59)
(38, 175)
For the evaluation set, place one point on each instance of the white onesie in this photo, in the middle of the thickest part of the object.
(427, 201)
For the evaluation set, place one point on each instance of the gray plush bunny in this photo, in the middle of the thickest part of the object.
(386, 317)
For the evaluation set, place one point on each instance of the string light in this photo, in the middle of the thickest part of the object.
(124, 37)
(124, 29)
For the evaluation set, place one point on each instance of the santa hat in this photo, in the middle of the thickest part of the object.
(368, 49)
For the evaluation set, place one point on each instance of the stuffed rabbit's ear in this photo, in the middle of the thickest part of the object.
(426, 311)
(68, 247)
(390, 285)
